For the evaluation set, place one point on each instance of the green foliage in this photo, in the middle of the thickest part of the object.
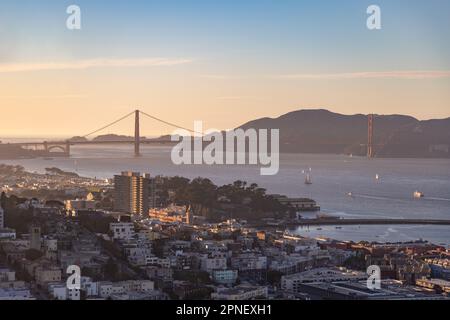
(60, 172)
(95, 222)
(111, 270)
(193, 276)
(356, 262)
(18, 219)
(241, 200)
(274, 277)
(33, 254)
(11, 170)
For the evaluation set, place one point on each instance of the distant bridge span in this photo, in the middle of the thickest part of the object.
(62, 148)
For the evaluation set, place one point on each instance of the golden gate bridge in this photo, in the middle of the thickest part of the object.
(62, 148)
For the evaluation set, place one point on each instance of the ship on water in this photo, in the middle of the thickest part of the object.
(418, 195)
(308, 179)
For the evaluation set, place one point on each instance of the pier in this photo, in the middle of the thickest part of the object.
(350, 222)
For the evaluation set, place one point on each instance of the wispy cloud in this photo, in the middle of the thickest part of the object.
(92, 63)
(238, 98)
(50, 97)
(408, 75)
(221, 76)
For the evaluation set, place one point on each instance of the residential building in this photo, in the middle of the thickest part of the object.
(209, 264)
(131, 193)
(122, 230)
(435, 284)
(80, 204)
(35, 238)
(241, 292)
(2, 218)
(225, 277)
(46, 274)
(59, 291)
(7, 233)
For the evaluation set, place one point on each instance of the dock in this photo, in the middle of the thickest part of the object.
(349, 222)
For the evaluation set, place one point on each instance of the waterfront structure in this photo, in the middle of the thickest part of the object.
(131, 193)
(300, 204)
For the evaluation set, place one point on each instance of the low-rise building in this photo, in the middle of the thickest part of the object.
(241, 292)
(75, 205)
(292, 283)
(15, 294)
(209, 264)
(59, 291)
(46, 274)
(2, 218)
(438, 285)
(122, 230)
(225, 277)
(6, 233)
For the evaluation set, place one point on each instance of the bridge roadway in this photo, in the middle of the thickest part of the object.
(343, 222)
(72, 143)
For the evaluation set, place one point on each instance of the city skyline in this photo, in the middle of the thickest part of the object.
(222, 63)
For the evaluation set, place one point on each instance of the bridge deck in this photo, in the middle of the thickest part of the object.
(72, 143)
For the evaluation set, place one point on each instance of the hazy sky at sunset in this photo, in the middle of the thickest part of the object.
(223, 62)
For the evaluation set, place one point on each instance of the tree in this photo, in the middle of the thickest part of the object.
(274, 277)
(110, 270)
(33, 254)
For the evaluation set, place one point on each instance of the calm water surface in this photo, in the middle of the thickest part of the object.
(334, 177)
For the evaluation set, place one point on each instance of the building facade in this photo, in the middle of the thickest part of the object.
(2, 218)
(131, 193)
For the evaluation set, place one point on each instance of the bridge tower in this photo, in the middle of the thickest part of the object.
(370, 153)
(68, 148)
(137, 137)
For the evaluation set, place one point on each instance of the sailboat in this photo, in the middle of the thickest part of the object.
(308, 179)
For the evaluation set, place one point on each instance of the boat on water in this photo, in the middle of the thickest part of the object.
(308, 179)
(350, 194)
(377, 177)
(418, 195)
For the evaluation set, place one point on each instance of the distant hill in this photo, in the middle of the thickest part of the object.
(78, 139)
(322, 131)
(113, 137)
(116, 137)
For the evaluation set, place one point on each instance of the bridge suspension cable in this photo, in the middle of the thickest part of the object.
(170, 124)
(145, 114)
(108, 125)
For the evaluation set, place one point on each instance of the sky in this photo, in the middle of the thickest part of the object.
(222, 62)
